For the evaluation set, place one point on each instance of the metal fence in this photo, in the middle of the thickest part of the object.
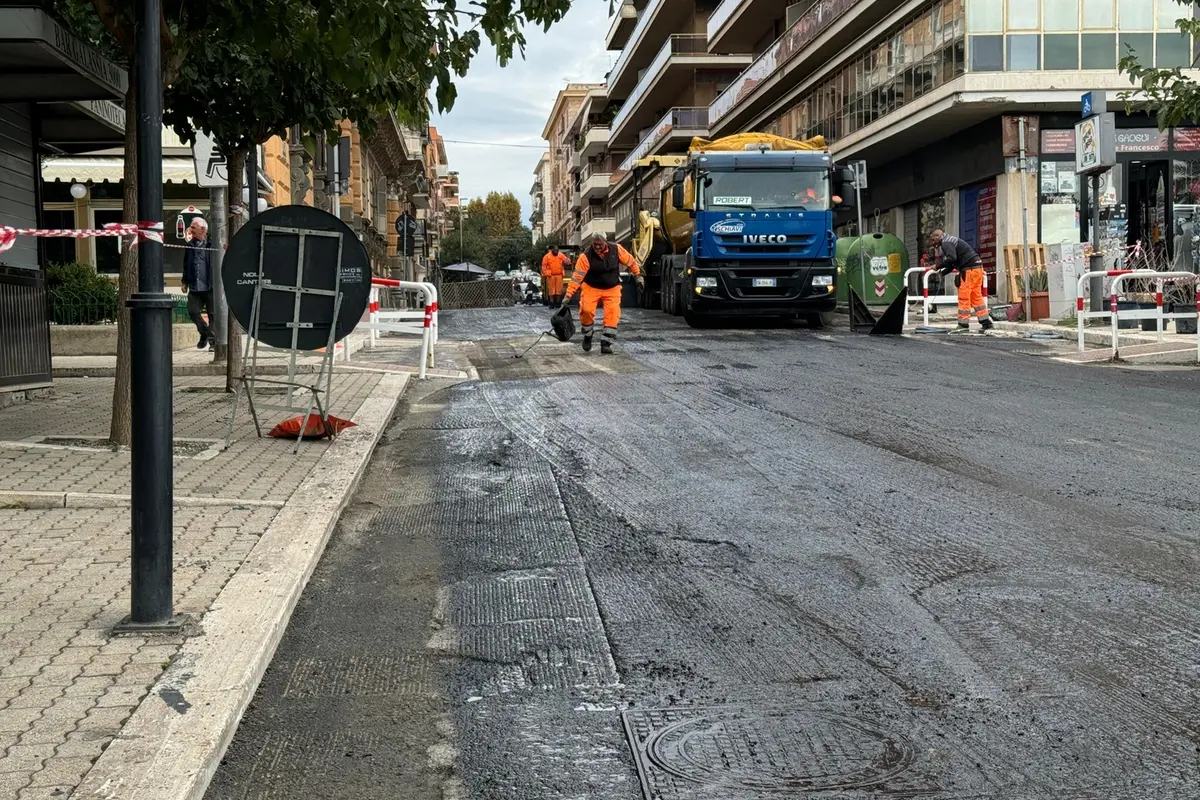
(496, 293)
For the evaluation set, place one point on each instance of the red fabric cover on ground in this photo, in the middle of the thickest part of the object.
(290, 428)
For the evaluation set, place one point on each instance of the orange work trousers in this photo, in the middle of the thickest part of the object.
(554, 286)
(610, 299)
(970, 296)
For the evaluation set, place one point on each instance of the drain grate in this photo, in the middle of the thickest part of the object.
(751, 753)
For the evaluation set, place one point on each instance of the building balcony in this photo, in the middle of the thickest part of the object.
(736, 26)
(671, 73)
(676, 129)
(575, 162)
(624, 21)
(602, 225)
(594, 141)
(814, 38)
(595, 183)
(658, 20)
(576, 201)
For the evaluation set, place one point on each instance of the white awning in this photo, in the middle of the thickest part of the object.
(111, 169)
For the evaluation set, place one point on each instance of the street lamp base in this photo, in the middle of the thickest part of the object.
(179, 624)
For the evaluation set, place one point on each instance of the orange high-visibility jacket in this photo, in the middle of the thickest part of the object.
(555, 266)
(583, 264)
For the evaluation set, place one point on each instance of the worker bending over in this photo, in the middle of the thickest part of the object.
(598, 279)
(554, 266)
(958, 255)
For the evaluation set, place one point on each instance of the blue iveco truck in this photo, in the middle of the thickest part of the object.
(745, 229)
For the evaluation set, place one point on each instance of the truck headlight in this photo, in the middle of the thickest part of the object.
(822, 280)
(706, 283)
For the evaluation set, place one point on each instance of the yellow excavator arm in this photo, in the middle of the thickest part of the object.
(648, 226)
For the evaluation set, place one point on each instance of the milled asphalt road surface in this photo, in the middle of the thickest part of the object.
(745, 565)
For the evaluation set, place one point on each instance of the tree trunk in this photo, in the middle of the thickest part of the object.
(120, 428)
(237, 175)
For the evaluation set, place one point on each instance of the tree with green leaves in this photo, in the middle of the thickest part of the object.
(108, 25)
(496, 215)
(513, 250)
(381, 53)
(1166, 92)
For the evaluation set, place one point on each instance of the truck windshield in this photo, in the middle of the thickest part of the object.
(806, 190)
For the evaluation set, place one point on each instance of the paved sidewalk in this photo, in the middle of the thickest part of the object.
(67, 685)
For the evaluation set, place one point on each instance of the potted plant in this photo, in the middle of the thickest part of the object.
(1039, 294)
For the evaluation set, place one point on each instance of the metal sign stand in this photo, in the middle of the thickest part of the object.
(249, 378)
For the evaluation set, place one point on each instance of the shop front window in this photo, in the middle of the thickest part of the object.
(1138, 44)
(59, 250)
(1099, 14)
(108, 259)
(1058, 198)
(1137, 15)
(1173, 51)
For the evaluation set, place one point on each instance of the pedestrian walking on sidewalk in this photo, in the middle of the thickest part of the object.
(958, 255)
(598, 280)
(197, 279)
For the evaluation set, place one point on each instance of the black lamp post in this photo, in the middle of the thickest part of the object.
(151, 474)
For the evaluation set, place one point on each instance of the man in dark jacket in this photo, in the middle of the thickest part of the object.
(958, 255)
(197, 279)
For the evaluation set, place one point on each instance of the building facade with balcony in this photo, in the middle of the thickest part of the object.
(931, 94)
(562, 198)
(537, 198)
(665, 76)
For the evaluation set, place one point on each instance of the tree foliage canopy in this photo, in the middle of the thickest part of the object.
(1171, 96)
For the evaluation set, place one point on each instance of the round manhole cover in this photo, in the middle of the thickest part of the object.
(779, 751)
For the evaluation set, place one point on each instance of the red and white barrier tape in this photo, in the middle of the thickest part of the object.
(148, 231)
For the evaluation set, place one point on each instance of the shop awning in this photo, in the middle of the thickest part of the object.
(40, 61)
(81, 127)
(99, 169)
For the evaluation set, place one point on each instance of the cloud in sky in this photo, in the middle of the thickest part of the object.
(510, 106)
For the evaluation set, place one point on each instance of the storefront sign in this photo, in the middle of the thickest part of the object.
(1095, 144)
(1061, 142)
(987, 231)
(1187, 139)
(87, 59)
(1141, 140)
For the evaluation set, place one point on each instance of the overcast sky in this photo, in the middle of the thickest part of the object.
(510, 106)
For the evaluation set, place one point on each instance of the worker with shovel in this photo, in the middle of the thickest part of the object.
(598, 280)
(958, 255)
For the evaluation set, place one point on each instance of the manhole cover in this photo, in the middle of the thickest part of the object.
(762, 751)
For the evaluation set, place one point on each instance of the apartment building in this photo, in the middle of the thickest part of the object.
(537, 198)
(665, 77)
(591, 164)
(930, 94)
(562, 196)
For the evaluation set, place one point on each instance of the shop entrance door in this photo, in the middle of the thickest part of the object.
(1148, 189)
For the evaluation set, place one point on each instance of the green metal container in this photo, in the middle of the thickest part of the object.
(874, 265)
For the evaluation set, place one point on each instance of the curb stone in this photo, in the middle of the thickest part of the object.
(162, 753)
(43, 500)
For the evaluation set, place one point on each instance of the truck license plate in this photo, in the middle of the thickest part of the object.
(764, 283)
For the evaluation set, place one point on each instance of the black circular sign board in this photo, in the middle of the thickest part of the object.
(282, 268)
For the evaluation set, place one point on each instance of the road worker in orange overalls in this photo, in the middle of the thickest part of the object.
(598, 279)
(554, 267)
(958, 255)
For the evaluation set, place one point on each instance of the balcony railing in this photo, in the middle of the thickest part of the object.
(680, 44)
(603, 167)
(721, 15)
(643, 22)
(687, 119)
(801, 34)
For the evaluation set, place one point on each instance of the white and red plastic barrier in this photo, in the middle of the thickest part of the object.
(141, 231)
(927, 300)
(1160, 280)
(421, 322)
(1082, 313)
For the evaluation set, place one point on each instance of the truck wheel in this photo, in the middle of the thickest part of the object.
(677, 303)
(822, 319)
